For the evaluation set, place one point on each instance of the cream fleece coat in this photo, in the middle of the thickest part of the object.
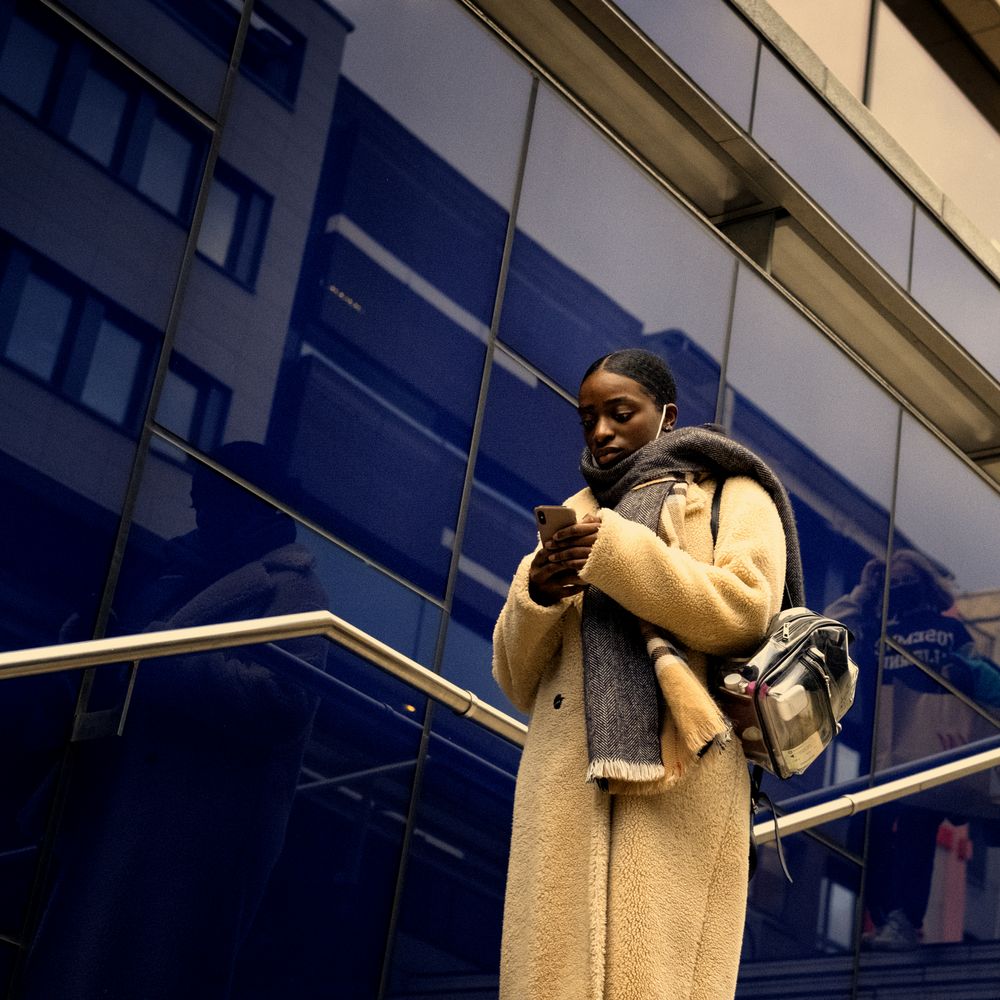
(633, 897)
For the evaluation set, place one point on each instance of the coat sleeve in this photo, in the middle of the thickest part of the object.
(526, 638)
(718, 608)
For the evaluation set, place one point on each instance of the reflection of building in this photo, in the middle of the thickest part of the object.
(341, 303)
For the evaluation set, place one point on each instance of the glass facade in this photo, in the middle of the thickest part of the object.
(301, 328)
(923, 77)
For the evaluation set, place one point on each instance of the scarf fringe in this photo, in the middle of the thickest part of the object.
(623, 770)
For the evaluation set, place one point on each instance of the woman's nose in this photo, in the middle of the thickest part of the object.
(603, 431)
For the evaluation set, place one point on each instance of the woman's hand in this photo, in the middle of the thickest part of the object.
(555, 571)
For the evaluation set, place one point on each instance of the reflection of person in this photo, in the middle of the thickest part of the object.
(917, 717)
(171, 830)
(633, 884)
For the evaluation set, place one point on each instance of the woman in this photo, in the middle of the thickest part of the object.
(632, 885)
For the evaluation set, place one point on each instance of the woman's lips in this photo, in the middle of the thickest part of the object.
(606, 455)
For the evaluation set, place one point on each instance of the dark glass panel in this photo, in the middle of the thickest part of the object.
(447, 940)
(64, 471)
(255, 803)
(830, 434)
(8, 956)
(801, 934)
(323, 920)
(359, 356)
(603, 259)
(932, 890)
(831, 165)
(956, 291)
(709, 41)
(528, 454)
(943, 610)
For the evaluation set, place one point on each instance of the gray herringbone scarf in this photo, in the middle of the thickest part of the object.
(623, 704)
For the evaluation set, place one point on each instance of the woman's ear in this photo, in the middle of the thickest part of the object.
(670, 416)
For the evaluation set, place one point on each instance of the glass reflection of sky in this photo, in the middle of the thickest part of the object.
(431, 67)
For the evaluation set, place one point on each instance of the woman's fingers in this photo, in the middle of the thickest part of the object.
(575, 534)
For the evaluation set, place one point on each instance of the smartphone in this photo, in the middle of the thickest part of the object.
(551, 519)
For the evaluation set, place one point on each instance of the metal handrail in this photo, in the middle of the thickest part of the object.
(173, 642)
(856, 802)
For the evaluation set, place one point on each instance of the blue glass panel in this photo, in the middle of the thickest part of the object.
(932, 889)
(832, 166)
(447, 940)
(830, 434)
(943, 583)
(186, 44)
(26, 62)
(603, 259)
(98, 116)
(710, 42)
(256, 800)
(323, 920)
(803, 933)
(364, 343)
(63, 475)
(529, 454)
(957, 292)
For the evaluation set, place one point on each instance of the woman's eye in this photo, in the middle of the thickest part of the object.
(623, 417)
(587, 423)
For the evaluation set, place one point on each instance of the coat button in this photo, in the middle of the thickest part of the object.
(557, 701)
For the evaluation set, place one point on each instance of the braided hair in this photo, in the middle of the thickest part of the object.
(644, 367)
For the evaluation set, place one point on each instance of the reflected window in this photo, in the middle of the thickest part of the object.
(98, 115)
(166, 172)
(26, 62)
(39, 326)
(273, 53)
(234, 226)
(85, 347)
(113, 373)
(194, 406)
(101, 109)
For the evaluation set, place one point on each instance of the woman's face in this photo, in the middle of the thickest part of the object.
(618, 416)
